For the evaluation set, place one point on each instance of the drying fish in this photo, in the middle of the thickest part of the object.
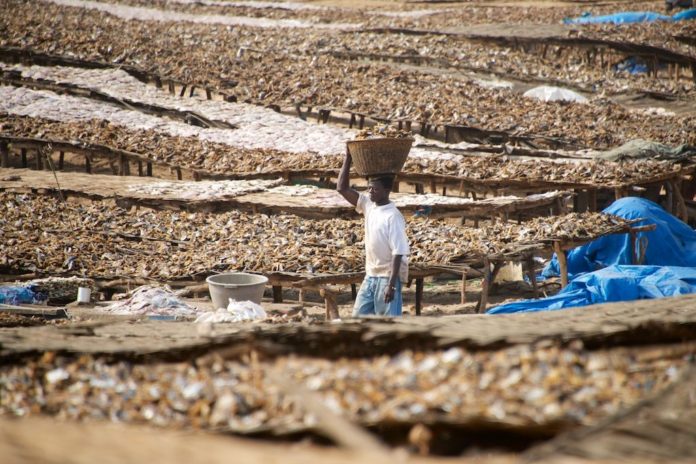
(304, 67)
(522, 386)
(39, 234)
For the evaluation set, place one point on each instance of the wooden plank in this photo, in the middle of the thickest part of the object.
(35, 311)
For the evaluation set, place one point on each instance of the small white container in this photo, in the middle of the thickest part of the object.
(83, 294)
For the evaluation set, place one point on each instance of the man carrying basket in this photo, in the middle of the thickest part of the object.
(386, 245)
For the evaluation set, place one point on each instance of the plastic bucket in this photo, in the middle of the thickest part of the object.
(239, 286)
(83, 294)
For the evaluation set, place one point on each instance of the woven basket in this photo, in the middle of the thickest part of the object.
(379, 156)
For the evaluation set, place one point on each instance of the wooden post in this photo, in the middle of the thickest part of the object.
(679, 204)
(170, 86)
(208, 94)
(352, 121)
(463, 291)
(330, 304)
(158, 82)
(88, 165)
(61, 160)
(183, 90)
(532, 275)
(592, 200)
(634, 252)
(277, 294)
(353, 291)
(444, 190)
(149, 169)
(192, 91)
(485, 284)
(362, 121)
(562, 263)
(395, 188)
(419, 295)
(179, 176)
(4, 155)
(433, 186)
(140, 168)
(124, 168)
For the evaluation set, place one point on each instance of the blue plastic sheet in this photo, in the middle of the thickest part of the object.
(685, 15)
(16, 295)
(672, 243)
(615, 283)
(627, 17)
(630, 17)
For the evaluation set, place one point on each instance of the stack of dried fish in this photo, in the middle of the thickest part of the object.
(290, 69)
(519, 386)
(502, 168)
(220, 158)
(40, 234)
(383, 131)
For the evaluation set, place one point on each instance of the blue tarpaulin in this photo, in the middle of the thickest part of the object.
(614, 283)
(18, 294)
(672, 243)
(601, 271)
(629, 17)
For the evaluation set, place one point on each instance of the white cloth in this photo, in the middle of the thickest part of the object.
(385, 237)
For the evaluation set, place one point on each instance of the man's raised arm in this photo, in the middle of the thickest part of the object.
(343, 184)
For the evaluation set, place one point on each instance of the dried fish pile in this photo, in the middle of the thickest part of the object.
(40, 234)
(466, 244)
(519, 386)
(204, 190)
(190, 152)
(658, 34)
(500, 168)
(288, 68)
(383, 131)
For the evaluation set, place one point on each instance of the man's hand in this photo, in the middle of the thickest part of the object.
(389, 293)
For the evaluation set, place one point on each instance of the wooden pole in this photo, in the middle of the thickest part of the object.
(562, 263)
(330, 304)
(532, 275)
(463, 291)
(149, 169)
(61, 160)
(353, 291)
(485, 284)
(4, 155)
(88, 165)
(419, 295)
(277, 294)
(23, 153)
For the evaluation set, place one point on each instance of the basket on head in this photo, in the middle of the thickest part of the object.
(385, 155)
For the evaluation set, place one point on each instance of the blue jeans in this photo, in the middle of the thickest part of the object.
(370, 298)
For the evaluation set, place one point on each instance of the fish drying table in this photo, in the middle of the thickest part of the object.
(258, 196)
(43, 149)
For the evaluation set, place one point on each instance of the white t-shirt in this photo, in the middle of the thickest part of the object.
(385, 236)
